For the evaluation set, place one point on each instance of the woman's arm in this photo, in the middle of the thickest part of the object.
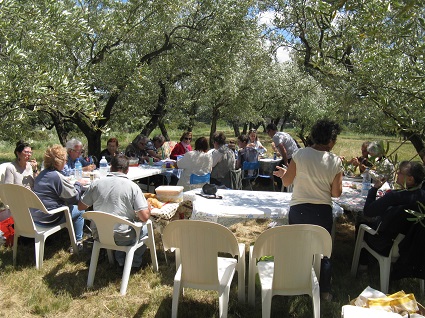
(287, 175)
(336, 187)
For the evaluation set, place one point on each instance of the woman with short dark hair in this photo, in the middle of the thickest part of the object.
(198, 162)
(23, 169)
(317, 176)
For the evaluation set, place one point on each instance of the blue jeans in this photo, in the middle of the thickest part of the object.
(138, 254)
(77, 221)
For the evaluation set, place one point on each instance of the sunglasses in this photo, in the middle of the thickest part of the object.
(188, 139)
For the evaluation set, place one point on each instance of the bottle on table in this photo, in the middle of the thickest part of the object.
(78, 171)
(366, 183)
(103, 167)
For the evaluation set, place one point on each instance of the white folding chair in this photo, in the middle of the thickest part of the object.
(196, 179)
(384, 261)
(20, 200)
(297, 251)
(197, 244)
(105, 223)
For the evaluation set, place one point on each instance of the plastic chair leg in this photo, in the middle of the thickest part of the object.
(39, 252)
(384, 272)
(93, 263)
(266, 302)
(223, 301)
(177, 289)
(126, 272)
(15, 248)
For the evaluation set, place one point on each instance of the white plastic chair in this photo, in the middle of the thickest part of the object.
(384, 261)
(197, 244)
(297, 251)
(20, 200)
(3, 171)
(105, 223)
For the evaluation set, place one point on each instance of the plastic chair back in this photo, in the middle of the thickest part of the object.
(199, 243)
(3, 171)
(20, 200)
(196, 179)
(105, 224)
(293, 248)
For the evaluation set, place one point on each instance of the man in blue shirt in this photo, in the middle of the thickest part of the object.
(74, 148)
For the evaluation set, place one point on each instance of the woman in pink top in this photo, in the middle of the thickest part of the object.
(183, 146)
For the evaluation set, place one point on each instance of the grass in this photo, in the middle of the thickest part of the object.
(59, 289)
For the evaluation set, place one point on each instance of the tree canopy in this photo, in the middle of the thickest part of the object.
(140, 65)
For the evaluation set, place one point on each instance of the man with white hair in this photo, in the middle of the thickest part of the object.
(74, 148)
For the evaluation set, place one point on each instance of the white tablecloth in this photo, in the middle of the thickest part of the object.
(238, 205)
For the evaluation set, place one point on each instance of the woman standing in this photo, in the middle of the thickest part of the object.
(317, 177)
(198, 162)
(183, 146)
(23, 170)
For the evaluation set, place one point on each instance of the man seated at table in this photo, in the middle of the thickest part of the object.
(74, 148)
(154, 145)
(391, 208)
(137, 149)
(363, 161)
(118, 195)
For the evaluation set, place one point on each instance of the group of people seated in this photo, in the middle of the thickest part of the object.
(118, 195)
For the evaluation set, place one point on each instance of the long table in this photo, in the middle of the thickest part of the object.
(240, 205)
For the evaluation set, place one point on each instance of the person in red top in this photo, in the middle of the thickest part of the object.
(183, 146)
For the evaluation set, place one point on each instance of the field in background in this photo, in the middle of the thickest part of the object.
(347, 145)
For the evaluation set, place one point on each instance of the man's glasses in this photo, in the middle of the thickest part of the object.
(77, 151)
(187, 138)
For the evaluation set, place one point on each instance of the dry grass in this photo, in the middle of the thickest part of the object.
(59, 289)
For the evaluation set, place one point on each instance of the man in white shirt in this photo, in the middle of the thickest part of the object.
(283, 142)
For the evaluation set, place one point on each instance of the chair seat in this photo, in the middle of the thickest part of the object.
(226, 269)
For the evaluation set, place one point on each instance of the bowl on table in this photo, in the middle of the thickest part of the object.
(134, 162)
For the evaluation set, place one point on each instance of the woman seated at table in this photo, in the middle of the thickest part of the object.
(154, 145)
(183, 146)
(223, 161)
(56, 190)
(245, 152)
(137, 149)
(198, 162)
(23, 169)
(254, 142)
(111, 149)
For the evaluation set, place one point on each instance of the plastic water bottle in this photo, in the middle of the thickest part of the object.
(103, 167)
(78, 171)
(274, 155)
(366, 183)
